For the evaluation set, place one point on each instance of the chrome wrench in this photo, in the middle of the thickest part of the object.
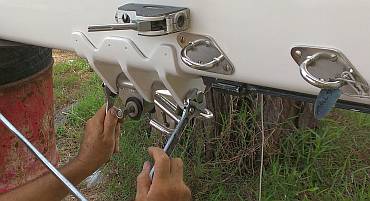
(194, 105)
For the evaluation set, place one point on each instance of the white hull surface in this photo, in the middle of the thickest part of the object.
(256, 35)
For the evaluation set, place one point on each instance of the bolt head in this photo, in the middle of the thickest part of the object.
(298, 53)
(333, 58)
(227, 67)
(182, 39)
(120, 114)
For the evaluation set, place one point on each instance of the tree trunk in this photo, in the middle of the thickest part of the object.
(233, 137)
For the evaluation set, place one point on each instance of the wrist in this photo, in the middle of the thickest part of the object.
(85, 165)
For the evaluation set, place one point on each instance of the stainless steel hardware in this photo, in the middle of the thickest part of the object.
(202, 53)
(199, 65)
(130, 101)
(320, 83)
(194, 105)
(109, 98)
(148, 19)
(327, 68)
(138, 26)
(163, 102)
(175, 135)
(43, 159)
(155, 124)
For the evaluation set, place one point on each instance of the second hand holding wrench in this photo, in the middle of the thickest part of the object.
(194, 105)
(175, 136)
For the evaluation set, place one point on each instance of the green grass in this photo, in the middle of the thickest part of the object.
(68, 78)
(331, 163)
(75, 85)
(318, 165)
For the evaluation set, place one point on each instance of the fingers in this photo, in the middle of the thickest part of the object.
(177, 169)
(117, 135)
(110, 123)
(143, 182)
(100, 115)
(162, 164)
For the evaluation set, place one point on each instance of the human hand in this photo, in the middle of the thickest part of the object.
(167, 184)
(101, 139)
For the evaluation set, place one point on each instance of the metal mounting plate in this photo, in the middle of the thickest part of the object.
(202, 55)
(328, 70)
(151, 10)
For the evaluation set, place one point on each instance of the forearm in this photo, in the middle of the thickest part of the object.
(48, 187)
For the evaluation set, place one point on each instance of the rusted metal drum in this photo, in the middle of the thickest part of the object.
(26, 99)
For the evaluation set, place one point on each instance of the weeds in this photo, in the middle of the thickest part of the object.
(331, 163)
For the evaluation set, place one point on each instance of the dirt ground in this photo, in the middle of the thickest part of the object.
(63, 56)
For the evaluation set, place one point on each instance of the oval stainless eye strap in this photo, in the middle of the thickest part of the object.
(197, 65)
(322, 84)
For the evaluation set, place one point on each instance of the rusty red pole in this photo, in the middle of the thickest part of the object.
(26, 99)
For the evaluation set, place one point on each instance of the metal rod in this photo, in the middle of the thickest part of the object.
(166, 106)
(159, 127)
(175, 136)
(112, 27)
(45, 161)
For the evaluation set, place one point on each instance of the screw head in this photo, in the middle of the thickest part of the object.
(227, 67)
(333, 58)
(182, 39)
(298, 53)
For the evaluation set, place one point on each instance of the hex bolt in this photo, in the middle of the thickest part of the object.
(120, 114)
(133, 108)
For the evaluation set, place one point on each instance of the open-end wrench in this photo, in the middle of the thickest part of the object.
(110, 98)
(175, 135)
(194, 105)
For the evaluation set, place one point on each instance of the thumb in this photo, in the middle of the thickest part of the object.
(143, 183)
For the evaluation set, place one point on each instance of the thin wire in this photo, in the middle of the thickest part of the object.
(262, 150)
